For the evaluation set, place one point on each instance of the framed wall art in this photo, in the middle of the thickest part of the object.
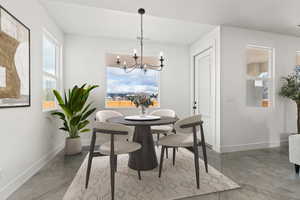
(14, 61)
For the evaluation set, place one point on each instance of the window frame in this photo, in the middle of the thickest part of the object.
(131, 107)
(270, 78)
(58, 66)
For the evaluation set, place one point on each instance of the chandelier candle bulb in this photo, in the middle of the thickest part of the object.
(118, 60)
(161, 54)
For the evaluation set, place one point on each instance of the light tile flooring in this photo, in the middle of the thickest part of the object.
(263, 175)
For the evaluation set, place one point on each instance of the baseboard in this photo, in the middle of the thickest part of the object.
(252, 146)
(13, 185)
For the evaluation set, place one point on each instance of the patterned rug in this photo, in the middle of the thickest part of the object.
(176, 182)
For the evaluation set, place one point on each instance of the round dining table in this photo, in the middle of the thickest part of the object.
(145, 158)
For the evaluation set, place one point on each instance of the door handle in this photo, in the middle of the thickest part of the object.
(195, 107)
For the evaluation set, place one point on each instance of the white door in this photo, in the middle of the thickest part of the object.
(203, 92)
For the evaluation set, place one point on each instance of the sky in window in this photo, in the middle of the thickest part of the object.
(49, 56)
(134, 82)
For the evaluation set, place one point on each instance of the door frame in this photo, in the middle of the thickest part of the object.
(213, 46)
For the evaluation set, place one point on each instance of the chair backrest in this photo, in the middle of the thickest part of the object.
(119, 130)
(189, 120)
(101, 119)
(164, 113)
(103, 115)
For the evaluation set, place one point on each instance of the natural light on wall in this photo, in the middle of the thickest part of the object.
(298, 58)
(259, 76)
(121, 85)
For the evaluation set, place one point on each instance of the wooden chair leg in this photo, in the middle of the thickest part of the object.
(112, 176)
(204, 149)
(297, 167)
(139, 174)
(88, 171)
(116, 163)
(167, 153)
(174, 155)
(196, 159)
(161, 160)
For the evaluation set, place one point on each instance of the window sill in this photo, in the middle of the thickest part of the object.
(50, 110)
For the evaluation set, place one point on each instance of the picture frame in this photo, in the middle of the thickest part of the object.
(15, 61)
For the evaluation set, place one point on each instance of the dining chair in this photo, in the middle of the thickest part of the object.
(163, 129)
(119, 144)
(186, 136)
(103, 116)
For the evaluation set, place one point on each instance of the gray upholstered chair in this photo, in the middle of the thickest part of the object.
(118, 141)
(164, 129)
(186, 136)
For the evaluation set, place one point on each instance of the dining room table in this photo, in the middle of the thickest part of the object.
(145, 158)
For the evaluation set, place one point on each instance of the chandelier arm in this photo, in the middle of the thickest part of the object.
(133, 67)
(155, 67)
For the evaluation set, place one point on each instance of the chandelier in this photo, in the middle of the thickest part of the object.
(139, 64)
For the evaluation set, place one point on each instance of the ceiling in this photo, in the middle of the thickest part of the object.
(280, 16)
(94, 21)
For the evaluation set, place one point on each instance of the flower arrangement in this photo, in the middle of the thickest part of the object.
(143, 101)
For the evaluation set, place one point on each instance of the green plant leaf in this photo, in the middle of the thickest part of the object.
(58, 97)
(83, 124)
(88, 113)
(75, 109)
(85, 130)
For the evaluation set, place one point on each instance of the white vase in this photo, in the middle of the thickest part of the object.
(73, 146)
(143, 110)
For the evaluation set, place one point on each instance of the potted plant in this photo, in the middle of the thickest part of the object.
(143, 101)
(74, 114)
(291, 89)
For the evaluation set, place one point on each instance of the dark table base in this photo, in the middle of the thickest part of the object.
(145, 158)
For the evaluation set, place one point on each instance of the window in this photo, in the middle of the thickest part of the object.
(51, 70)
(121, 85)
(259, 76)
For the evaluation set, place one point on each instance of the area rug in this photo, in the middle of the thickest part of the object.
(176, 182)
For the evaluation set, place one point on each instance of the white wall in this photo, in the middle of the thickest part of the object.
(245, 127)
(210, 40)
(28, 136)
(85, 63)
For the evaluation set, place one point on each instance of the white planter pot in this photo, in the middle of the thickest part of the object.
(73, 146)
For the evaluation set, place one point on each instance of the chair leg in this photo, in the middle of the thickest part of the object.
(167, 153)
(88, 171)
(116, 163)
(204, 149)
(174, 155)
(139, 174)
(157, 139)
(196, 159)
(161, 160)
(297, 167)
(112, 176)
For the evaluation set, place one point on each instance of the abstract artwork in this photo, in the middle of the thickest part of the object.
(14, 61)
